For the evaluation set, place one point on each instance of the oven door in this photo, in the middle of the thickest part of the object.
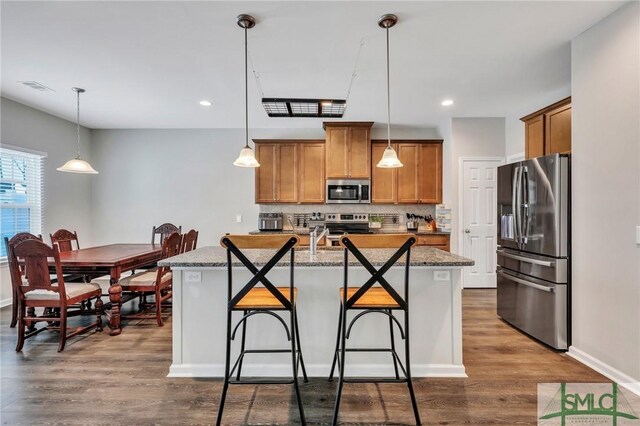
(342, 192)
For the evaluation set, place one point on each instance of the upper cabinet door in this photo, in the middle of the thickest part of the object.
(266, 174)
(430, 173)
(548, 130)
(359, 159)
(408, 174)
(534, 137)
(337, 152)
(312, 183)
(558, 130)
(287, 181)
(383, 181)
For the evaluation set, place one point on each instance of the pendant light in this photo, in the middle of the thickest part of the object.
(389, 157)
(246, 158)
(77, 165)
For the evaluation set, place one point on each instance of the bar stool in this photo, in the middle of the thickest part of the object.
(367, 299)
(267, 300)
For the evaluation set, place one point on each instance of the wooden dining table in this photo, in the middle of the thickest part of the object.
(112, 260)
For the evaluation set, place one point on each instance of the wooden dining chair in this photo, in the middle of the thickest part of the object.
(16, 280)
(64, 240)
(156, 282)
(189, 241)
(163, 231)
(375, 296)
(38, 291)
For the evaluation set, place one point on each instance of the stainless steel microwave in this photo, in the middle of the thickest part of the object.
(348, 191)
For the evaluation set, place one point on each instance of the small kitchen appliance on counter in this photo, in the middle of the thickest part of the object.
(270, 222)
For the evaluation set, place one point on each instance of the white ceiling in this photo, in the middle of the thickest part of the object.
(147, 64)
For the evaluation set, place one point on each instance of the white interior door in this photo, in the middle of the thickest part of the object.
(478, 221)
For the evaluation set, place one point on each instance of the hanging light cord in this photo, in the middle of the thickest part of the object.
(388, 97)
(78, 120)
(246, 93)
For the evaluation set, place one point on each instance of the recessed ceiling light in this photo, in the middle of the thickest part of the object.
(205, 103)
(447, 102)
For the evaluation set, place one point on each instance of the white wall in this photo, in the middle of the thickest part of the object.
(471, 137)
(606, 191)
(183, 176)
(66, 195)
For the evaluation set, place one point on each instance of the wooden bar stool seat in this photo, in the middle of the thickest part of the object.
(261, 298)
(375, 297)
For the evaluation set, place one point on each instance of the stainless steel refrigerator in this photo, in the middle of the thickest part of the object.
(534, 247)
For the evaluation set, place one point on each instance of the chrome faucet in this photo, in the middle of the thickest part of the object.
(314, 238)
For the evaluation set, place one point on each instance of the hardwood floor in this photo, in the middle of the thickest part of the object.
(100, 379)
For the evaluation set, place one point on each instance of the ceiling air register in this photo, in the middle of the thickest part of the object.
(288, 107)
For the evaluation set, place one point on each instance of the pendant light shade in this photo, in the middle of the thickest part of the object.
(247, 157)
(77, 165)
(389, 157)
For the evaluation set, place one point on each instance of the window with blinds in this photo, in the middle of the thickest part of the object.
(20, 193)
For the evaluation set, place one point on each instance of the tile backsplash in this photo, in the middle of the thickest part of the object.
(294, 210)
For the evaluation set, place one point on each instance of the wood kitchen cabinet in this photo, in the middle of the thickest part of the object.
(277, 176)
(438, 241)
(548, 131)
(384, 184)
(348, 150)
(312, 180)
(290, 171)
(419, 181)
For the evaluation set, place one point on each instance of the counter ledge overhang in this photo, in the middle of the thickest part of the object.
(212, 257)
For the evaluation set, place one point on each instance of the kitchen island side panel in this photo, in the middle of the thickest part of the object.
(199, 324)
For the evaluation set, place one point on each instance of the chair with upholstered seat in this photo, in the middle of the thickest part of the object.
(64, 240)
(155, 282)
(38, 291)
(189, 241)
(251, 300)
(375, 296)
(163, 231)
(8, 243)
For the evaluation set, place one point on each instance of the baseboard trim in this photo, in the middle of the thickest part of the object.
(6, 302)
(605, 369)
(315, 370)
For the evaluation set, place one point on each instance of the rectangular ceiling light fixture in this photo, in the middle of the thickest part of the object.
(323, 108)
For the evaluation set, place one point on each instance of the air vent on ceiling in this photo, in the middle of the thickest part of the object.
(286, 107)
(36, 86)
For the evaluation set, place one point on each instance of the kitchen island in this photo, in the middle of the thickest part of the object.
(199, 313)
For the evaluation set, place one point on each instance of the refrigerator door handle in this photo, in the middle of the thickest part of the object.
(526, 259)
(526, 283)
(524, 188)
(515, 195)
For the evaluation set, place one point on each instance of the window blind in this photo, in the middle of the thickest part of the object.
(21, 192)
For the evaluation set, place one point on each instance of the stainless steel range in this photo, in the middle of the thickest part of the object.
(352, 223)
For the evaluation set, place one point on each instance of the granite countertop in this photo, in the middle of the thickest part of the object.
(217, 257)
(305, 231)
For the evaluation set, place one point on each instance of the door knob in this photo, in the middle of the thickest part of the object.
(466, 231)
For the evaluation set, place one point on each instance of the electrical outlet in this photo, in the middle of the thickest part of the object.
(192, 276)
(638, 235)
(441, 275)
(238, 218)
